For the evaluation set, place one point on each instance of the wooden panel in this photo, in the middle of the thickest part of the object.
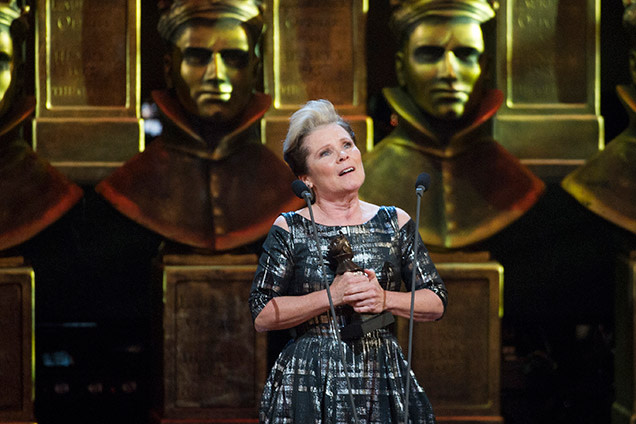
(214, 362)
(16, 346)
(457, 359)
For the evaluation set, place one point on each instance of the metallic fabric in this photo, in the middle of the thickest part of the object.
(307, 382)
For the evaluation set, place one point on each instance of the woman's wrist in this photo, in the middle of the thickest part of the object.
(383, 300)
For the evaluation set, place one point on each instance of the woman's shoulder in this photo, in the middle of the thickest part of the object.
(390, 212)
(286, 219)
(402, 216)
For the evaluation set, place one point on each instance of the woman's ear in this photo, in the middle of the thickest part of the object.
(305, 179)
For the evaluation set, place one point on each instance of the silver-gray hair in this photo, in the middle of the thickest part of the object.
(314, 114)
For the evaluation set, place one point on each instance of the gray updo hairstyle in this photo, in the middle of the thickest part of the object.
(314, 114)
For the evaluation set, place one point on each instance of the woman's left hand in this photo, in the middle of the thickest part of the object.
(367, 296)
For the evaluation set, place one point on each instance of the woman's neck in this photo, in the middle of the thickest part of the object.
(344, 211)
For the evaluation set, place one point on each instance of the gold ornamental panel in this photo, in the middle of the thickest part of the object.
(315, 50)
(549, 69)
(88, 85)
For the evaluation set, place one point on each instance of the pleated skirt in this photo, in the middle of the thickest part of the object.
(308, 384)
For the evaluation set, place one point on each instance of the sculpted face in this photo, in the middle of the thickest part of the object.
(213, 68)
(6, 66)
(439, 65)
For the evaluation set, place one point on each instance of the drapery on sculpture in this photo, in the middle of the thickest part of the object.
(207, 181)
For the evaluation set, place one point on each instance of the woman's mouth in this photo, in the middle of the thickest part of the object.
(346, 171)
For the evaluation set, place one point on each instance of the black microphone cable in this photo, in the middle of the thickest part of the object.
(301, 190)
(421, 185)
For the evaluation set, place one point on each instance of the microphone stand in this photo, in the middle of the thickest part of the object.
(419, 191)
(307, 196)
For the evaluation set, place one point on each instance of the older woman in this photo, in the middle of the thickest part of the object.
(308, 381)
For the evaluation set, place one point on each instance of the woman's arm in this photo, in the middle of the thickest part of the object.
(368, 297)
(284, 312)
(430, 293)
(272, 308)
(427, 306)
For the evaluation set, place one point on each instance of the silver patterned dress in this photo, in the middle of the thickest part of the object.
(307, 383)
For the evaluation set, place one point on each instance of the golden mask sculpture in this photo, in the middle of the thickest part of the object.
(207, 181)
(478, 188)
(606, 184)
(33, 195)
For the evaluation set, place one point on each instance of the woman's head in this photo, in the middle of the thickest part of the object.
(315, 114)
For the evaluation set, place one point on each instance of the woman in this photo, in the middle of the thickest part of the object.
(308, 383)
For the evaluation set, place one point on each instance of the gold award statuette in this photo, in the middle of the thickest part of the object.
(341, 255)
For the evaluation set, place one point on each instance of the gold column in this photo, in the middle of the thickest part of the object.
(457, 360)
(17, 362)
(315, 50)
(624, 407)
(87, 85)
(213, 361)
(548, 67)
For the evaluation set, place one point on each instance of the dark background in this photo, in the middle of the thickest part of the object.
(93, 291)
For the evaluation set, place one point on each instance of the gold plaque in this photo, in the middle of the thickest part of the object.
(457, 360)
(87, 64)
(214, 362)
(549, 70)
(315, 50)
(17, 388)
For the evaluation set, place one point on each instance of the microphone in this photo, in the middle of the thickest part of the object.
(301, 190)
(421, 185)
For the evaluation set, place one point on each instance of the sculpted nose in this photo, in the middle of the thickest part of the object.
(447, 66)
(216, 69)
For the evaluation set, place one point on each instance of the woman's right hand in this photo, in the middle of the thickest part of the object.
(342, 283)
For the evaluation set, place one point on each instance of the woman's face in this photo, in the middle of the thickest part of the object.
(334, 164)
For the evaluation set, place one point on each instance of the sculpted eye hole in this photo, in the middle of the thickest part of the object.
(428, 54)
(200, 56)
(5, 61)
(197, 56)
(235, 58)
(467, 54)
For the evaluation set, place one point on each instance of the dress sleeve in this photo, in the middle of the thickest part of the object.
(426, 276)
(274, 271)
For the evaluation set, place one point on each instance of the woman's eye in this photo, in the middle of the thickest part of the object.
(324, 153)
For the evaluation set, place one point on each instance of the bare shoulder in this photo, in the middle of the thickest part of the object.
(403, 217)
(281, 222)
(369, 210)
